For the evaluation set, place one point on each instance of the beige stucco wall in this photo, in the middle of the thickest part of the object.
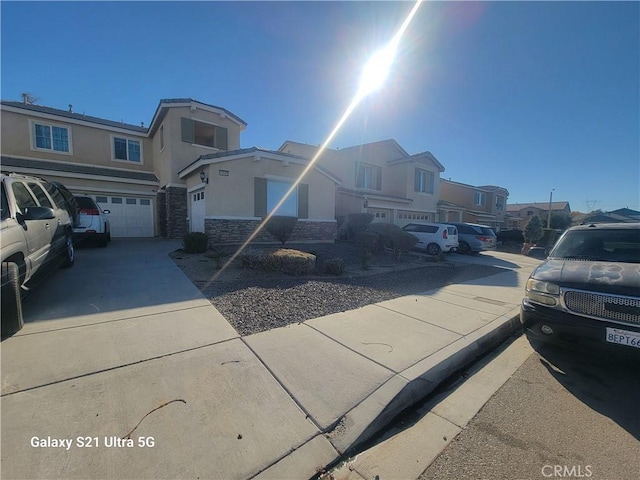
(178, 154)
(233, 195)
(90, 145)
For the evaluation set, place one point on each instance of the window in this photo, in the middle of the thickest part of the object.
(499, 202)
(127, 150)
(5, 204)
(145, 201)
(276, 190)
(51, 137)
(205, 134)
(424, 181)
(23, 198)
(478, 198)
(529, 213)
(368, 176)
(116, 200)
(161, 137)
(40, 195)
(101, 199)
(131, 201)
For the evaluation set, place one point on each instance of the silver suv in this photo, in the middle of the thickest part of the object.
(36, 230)
(434, 237)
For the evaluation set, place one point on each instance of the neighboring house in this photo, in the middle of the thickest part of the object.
(623, 215)
(519, 213)
(141, 173)
(461, 202)
(380, 178)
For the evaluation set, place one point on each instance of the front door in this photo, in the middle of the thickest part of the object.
(197, 211)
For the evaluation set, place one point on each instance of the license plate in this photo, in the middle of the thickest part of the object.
(623, 337)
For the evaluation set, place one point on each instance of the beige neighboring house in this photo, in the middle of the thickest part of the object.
(520, 213)
(380, 178)
(460, 202)
(147, 176)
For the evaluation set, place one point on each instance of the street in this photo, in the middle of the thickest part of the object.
(562, 415)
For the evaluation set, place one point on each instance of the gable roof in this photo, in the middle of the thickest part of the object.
(73, 116)
(412, 158)
(246, 152)
(515, 207)
(484, 188)
(167, 103)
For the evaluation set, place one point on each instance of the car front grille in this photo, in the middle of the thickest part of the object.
(603, 306)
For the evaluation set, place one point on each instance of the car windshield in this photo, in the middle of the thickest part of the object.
(611, 245)
(488, 232)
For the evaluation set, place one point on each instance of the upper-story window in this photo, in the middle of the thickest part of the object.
(424, 181)
(478, 198)
(127, 149)
(368, 176)
(161, 137)
(205, 134)
(54, 138)
(499, 202)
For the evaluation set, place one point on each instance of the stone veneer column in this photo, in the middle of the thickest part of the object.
(176, 212)
(161, 218)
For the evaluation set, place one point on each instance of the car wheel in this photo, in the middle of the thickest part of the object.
(69, 252)
(12, 319)
(103, 240)
(464, 248)
(433, 249)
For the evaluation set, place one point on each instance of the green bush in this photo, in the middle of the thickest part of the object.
(218, 256)
(281, 227)
(368, 241)
(533, 231)
(356, 223)
(393, 237)
(334, 266)
(195, 242)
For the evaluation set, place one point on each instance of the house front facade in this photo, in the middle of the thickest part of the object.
(485, 205)
(140, 174)
(380, 178)
(520, 213)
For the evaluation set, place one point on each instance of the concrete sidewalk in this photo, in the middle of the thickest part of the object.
(137, 352)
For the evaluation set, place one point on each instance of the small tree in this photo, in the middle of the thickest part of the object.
(560, 221)
(533, 231)
(281, 227)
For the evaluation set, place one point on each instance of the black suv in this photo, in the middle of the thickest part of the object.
(587, 292)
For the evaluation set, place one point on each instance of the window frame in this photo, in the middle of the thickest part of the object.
(127, 139)
(283, 212)
(218, 132)
(479, 199)
(376, 176)
(51, 126)
(429, 181)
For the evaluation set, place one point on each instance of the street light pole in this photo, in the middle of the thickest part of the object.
(549, 212)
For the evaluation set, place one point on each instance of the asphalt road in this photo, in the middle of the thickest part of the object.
(562, 415)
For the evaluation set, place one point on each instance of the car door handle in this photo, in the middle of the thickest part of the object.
(47, 226)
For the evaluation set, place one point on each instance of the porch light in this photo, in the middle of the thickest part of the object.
(203, 177)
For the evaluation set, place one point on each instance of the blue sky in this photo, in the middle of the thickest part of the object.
(531, 96)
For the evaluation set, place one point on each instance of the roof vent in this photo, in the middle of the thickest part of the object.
(70, 108)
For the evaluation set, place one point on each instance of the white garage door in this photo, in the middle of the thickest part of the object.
(129, 216)
(197, 211)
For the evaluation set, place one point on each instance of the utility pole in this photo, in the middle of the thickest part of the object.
(549, 212)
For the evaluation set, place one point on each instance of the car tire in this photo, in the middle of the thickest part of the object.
(108, 236)
(69, 252)
(433, 249)
(464, 248)
(103, 241)
(12, 320)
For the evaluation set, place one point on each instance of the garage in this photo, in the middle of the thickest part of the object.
(129, 216)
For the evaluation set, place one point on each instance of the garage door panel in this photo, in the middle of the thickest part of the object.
(129, 216)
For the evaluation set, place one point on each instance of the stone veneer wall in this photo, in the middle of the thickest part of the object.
(176, 212)
(237, 231)
(161, 220)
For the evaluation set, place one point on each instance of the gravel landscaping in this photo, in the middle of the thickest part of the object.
(254, 301)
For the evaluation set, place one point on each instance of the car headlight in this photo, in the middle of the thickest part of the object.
(545, 293)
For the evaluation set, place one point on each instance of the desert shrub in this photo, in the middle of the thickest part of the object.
(393, 237)
(195, 242)
(334, 266)
(367, 241)
(356, 223)
(218, 256)
(281, 227)
(285, 260)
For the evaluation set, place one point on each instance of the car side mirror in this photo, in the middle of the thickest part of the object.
(38, 213)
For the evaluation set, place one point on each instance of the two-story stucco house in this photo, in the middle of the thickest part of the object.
(185, 172)
(460, 202)
(380, 178)
(520, 213)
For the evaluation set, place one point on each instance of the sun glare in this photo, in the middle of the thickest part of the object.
(373, 76)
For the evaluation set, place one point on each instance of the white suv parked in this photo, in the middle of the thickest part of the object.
(434, 237)
(93, 223)
(36, 233)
